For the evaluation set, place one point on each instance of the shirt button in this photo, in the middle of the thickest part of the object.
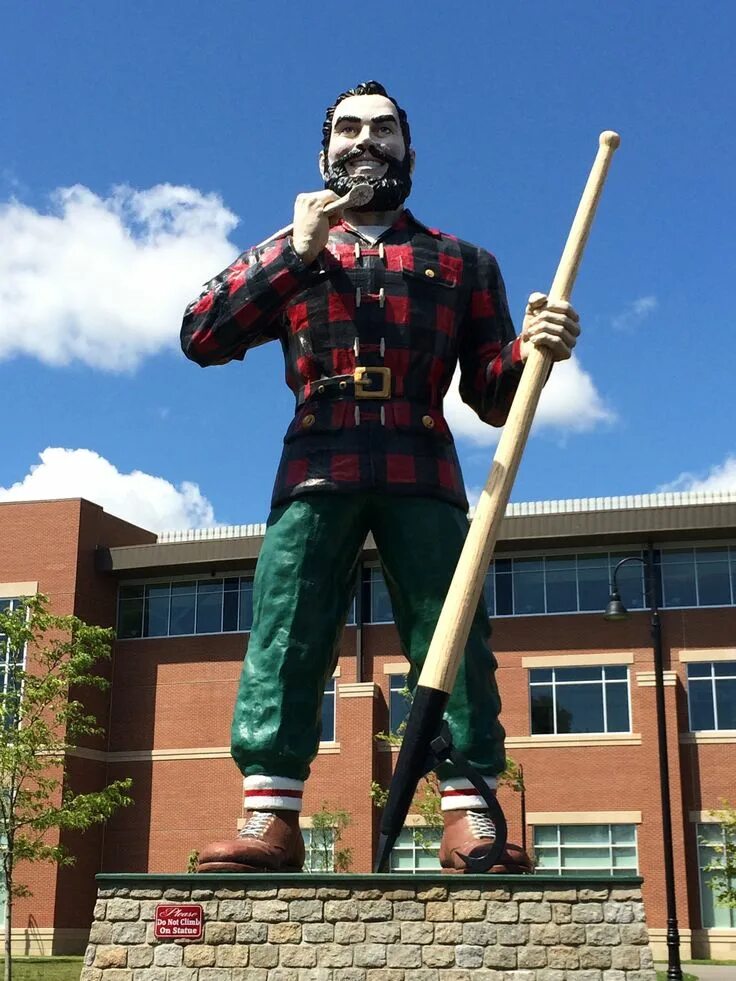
(429, 272)
(428, 422)
(307, 421)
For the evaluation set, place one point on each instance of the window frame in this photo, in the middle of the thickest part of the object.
(401, 847)
(703, 889)
(561, 870)
(603, 682)
(712, 679)
(330, 692)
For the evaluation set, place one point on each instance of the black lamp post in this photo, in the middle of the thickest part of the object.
(615, 610)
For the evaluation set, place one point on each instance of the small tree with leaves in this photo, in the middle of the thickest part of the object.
(723, 867)
(49, 661)
(328, 825)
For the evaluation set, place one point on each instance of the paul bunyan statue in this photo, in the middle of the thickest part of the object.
(373, 310)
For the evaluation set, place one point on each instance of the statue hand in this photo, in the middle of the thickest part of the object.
(553, 326)
(311, 224)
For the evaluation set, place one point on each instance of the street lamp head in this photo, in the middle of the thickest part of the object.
(615, 609)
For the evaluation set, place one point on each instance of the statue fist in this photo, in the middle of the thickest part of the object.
(311, 224)
(552, 326)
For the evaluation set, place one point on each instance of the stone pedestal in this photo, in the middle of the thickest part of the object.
(427, 927)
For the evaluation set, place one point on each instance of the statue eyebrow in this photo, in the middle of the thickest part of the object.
(387, 118)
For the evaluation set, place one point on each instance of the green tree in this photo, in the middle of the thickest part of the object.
(327, 828)
(723, 867)
(50, 662)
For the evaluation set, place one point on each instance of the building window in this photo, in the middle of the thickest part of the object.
(328, 713)
(697, 576)
(379, 606)
(711, 837)
(711, 694)
(11, 662)
(582, 699)
(399, 702)
(181, 607)
(319, 847)
(416, 850)
(571, 849)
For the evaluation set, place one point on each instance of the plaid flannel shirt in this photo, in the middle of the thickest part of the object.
(406, 309)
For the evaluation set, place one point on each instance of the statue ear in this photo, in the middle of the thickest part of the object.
(321, 163)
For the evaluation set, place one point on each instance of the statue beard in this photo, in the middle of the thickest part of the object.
(389, 191)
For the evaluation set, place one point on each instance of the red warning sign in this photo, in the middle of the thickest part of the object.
(178, 921)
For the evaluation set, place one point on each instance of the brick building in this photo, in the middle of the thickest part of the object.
(579, 699)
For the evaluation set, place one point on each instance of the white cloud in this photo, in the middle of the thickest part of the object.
(105, 281)
(721, 477)
(570, 403)
(148, 501)
(634, 313)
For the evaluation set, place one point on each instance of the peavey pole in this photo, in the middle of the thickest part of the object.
(426, 739)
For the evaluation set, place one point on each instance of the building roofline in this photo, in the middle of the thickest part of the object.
(602, 521)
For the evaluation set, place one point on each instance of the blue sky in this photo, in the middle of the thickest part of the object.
(185, 131)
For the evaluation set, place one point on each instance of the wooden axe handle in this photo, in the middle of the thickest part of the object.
(451, 633)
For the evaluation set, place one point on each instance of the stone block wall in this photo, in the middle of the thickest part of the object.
(374, 928)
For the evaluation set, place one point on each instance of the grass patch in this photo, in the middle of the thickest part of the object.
(45, 968)
(662, 976)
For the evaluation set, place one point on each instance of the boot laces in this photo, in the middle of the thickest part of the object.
(481, 824)
(256, 825)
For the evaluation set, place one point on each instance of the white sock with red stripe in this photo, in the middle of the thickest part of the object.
(459, 794)
(263, 793)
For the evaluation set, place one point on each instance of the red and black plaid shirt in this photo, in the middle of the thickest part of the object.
(415, 303)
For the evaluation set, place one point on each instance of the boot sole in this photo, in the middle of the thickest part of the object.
(237, 867)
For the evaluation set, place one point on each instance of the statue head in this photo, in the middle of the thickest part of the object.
(366, 139)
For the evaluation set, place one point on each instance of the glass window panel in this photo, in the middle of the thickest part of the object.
(702, 669)
(230, 602)
(182, 609)
(672, 557)
(350, 620)
(700, 699)
(578, 674)
(678, 580)
(593, 582)
(504, 594)
(380, 601)
(540, 674)
(209, 607)
(427, 860)
(616, 672)
(489, 592)
(130, 618)
(545, 835)
(402, 861)
(585, 834)
(126, 592)
(328, 713)
(726, 703)
(562, 589)
(624, 858)
(623, 833)
(547, 860)
(399, 702)
(528, 591)
(245, 618)
(617, 708)
(542, 711)
(579, 708)
(586, 858)
(502, 565)
(714, 584)
(724, 669)
(630, 581)
(231, 583)
(156, 611)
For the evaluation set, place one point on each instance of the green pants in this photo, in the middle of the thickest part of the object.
(301, 595)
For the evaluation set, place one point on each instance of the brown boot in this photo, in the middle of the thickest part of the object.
(471, 832)
(269, 841)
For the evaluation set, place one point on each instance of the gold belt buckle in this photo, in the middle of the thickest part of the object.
(364, 385)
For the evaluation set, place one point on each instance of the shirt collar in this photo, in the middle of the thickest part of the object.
(402, 222)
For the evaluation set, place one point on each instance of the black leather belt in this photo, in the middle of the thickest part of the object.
(364, 383)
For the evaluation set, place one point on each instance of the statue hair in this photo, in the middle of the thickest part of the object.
(364, 88)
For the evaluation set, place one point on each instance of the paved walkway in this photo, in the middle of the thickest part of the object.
(707, 972)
